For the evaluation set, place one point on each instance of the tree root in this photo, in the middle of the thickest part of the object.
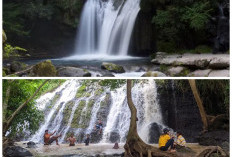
(214, 149)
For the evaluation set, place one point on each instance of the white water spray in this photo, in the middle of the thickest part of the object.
(106, 27)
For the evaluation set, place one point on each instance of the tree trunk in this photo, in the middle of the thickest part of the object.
(11, 118)
(5, 101)
(135, 147)
(199, 104)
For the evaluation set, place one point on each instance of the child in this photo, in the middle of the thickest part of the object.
(87, 140)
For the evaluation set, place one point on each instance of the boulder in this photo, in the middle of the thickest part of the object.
(4, 38)
(214, 138)
(44, 69)
(31, 144)
(154, 74)
(108, 75)
(201, 61)
(219, 73)
(200, 73)
(112, 67)
(114, 137)
(73, 72)
(16, 151)
(220, 63)
(16, 66)
(175, 71)
(155, 132)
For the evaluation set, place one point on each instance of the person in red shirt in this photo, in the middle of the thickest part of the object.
(48, 138)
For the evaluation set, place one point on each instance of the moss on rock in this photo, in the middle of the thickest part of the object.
(77, 115)
(81, 91)
(112, 67)
(67, 111)
(46, 69)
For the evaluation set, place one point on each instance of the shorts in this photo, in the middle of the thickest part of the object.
(51, 140)
(71, 144)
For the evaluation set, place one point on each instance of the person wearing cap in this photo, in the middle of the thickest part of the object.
(166, 141)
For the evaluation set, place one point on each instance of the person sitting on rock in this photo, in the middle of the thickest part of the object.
(48, 138)
(166, 142)
(87, 140)
(180, 142)
(99, 126)
(72, 140)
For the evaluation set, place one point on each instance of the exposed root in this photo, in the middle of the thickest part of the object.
(210, 150)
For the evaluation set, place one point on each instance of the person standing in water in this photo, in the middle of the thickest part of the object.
(87, 140)
(72, 140)
(49, 139)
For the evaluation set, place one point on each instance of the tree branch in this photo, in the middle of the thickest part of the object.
(7, 125)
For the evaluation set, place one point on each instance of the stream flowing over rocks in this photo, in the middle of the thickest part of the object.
(75, 107)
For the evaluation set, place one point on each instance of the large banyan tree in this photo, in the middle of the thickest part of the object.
(136, 147)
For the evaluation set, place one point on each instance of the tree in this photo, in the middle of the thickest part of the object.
(135, 146)
(9, 120)
(199, 104)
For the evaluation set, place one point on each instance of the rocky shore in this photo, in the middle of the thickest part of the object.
(162, 65)
(193, 65)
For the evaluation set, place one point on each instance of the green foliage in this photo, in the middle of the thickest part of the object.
(13, 20)
(215, 95)
(112, 84)
(38, 10)
(29, 117)
(179, 20)
(10, 51)
(203, 49)
(19, 18)
(197, 15)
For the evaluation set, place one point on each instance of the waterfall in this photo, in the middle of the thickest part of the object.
(106, 27)
(67, 111)
(68, 91)
(144, 96)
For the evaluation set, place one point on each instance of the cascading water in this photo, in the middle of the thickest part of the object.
(67, 91)
(106, 27)
(144, 95)
(70, 114)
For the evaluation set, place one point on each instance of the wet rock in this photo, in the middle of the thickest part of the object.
(219, 73)
(108, 75)
(140, 69)
(95, 137)
(155, 132)
(17, 66)
(200, 61)
(112, 67)
(73, 72)
(4, 38)
(175, 71)
(214, 138)
(114, 137)
(200, 73)
(154, 74)
(16, 151)
(44, 69)
(31, 144)
(220, 63)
